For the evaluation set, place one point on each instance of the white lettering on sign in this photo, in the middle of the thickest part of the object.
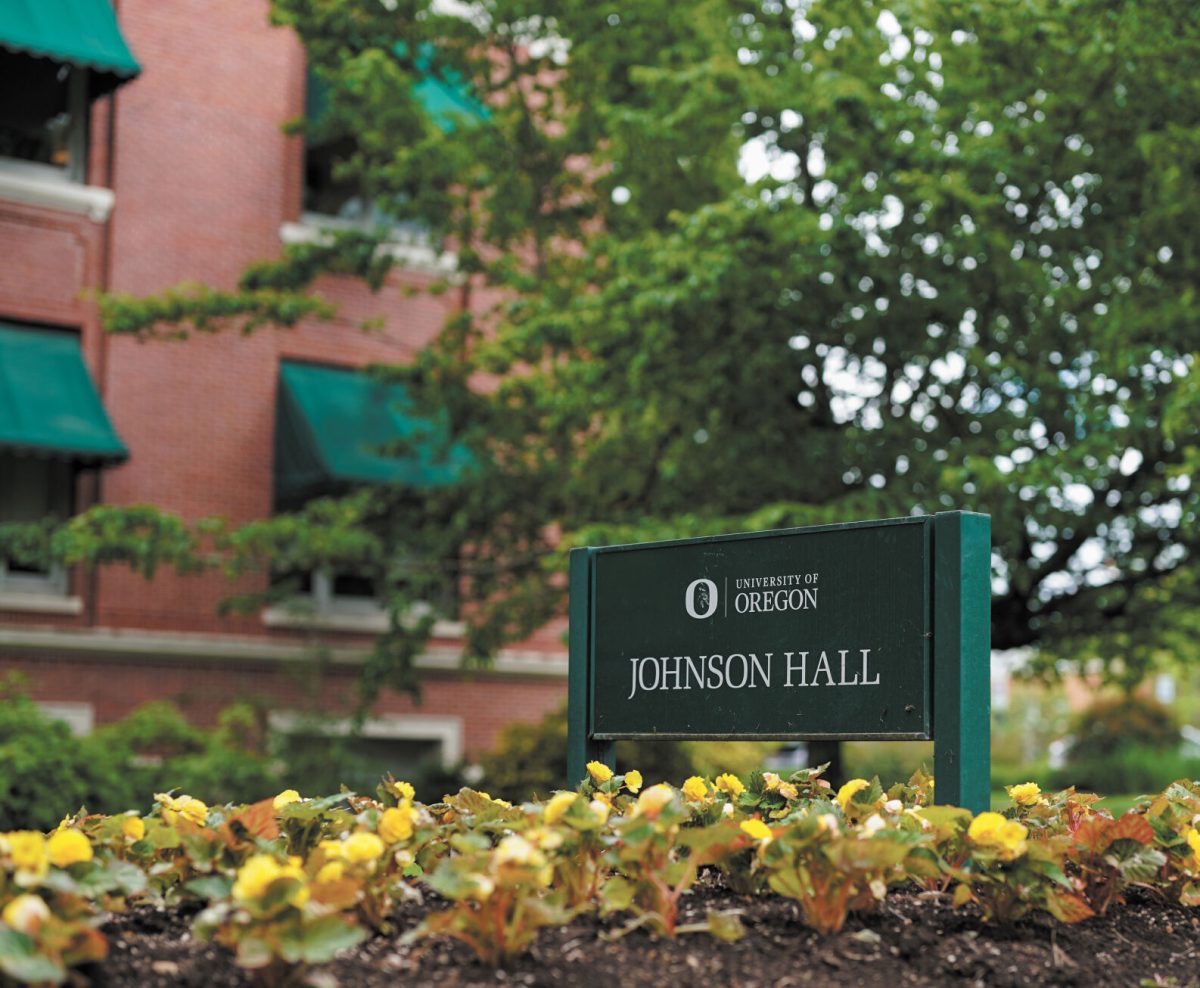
(753, 595)
(749, 670)
(763, 601)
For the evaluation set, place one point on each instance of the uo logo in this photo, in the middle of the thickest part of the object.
(700, 599)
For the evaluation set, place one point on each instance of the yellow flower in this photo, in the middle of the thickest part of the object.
(396, 824)
(547, 840)
(66, 847)
(406, 791)
(599, 772)
(516, 850)
(756, 829)
(633, 780)
(874, 823)
(1193, 839)
(332, 849)
(730, 784)
(28, 851)
(134, 828)
(259, 872)
(284, 798)
(985, 827)
(558, 804)
(483, 887)
(255, 876)
(696, 789)
(187, 807)
(331, 871)
(788, 791)
(362, 847)
(600, 809)
(992, 830)
(771, 781)
(651, 802)
(25, 913)
(848, 791)
(1026, 794)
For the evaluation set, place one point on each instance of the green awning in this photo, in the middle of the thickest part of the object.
(48, 404)
(333, 428)
(83, 33)
(446, 97)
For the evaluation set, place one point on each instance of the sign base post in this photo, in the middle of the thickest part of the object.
(581, 746)
(962, 550)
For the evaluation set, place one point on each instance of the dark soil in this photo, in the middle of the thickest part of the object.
(911, 940)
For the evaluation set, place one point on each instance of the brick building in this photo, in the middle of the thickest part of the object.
(137, 153)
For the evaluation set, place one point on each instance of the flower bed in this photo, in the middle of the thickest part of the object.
(288, 884)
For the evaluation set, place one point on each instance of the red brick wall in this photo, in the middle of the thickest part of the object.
(202, 688)
(204, 178)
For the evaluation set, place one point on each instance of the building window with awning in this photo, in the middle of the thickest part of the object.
(52, 426)
(333, 199)
(56, 56)
(338, 429)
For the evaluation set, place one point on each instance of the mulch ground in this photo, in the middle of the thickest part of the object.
(910, 940)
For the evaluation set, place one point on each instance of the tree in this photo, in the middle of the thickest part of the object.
(775, 263)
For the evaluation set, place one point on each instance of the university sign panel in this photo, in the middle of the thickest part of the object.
(871, 630)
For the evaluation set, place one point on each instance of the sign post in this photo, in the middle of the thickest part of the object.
(870, 630)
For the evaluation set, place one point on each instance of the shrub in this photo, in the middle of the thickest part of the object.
(530, 760)
(1114, 723)
(160, 750)
(892, 761)
(1133, 769)
(44, 771)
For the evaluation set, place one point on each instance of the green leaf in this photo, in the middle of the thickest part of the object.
(326, 937)
(617, 894)
(19, 959)
(211, 887)
(254, 952)
(1142, 865)
(726, 925)
(1067, 908)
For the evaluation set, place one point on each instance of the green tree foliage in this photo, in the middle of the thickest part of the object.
(774, 263)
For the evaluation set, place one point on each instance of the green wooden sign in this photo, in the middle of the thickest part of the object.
(870, 630)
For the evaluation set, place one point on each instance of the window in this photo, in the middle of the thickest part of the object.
(334, 201)
(52, 425)
(332, 428)
(333, 601)
(32, 488)
(410, 746)
(43, 114)
(352, 603)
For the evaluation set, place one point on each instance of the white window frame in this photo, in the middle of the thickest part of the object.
(409, 250)
(79, 717)
(53, 582)
(323, 610)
